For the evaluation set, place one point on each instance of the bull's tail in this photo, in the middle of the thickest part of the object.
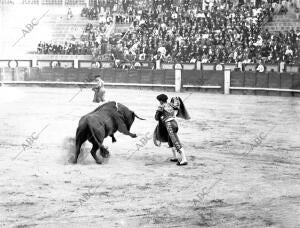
(78, 142)
(138, 117)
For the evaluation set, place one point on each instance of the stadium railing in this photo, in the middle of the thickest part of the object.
(86, 61)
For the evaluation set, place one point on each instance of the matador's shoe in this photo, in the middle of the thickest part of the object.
(182, 164)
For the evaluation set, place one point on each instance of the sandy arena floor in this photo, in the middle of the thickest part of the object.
(243, 153)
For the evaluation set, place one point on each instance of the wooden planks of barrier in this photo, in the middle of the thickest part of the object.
(83, 83)
(265, 89)
(202, 87)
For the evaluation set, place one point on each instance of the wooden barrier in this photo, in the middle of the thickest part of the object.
(169, 77)
(248, 82)
(83, 83)
(203, 80)
(146, 76)
(237, 79)
(134, 76)
(261, 81)
(121, 76)
(68, 76)
(272, 83)
(192, 77)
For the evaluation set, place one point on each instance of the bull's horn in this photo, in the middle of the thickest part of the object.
(138, 117)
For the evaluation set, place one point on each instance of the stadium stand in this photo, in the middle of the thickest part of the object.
(192, 45)
(92, 42)
(220, 33)
(185, 31)
(223, 32)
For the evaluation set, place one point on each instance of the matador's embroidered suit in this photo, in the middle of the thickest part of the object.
(165, 114)
(167, 128)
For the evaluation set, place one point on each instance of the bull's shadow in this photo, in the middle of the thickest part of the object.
(102, 122)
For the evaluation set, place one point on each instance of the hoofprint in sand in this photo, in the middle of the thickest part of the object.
(243, 153)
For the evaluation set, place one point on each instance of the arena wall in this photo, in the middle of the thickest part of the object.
(248, 82)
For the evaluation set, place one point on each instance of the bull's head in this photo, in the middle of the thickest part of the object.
(128, 115)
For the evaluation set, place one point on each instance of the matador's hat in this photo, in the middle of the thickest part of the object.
(162, 97)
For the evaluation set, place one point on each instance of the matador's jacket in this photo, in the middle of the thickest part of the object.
(167, 128)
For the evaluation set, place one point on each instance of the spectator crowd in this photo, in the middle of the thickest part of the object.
(93, 41)
(213, 31)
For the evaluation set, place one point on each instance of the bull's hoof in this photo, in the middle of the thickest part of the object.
(133, 135)
(99, 162)
(105, 155)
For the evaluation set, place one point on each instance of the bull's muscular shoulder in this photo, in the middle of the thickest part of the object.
(111, 110)
(83, 119)
(106, 106)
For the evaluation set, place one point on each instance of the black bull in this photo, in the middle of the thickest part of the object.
(102, 122)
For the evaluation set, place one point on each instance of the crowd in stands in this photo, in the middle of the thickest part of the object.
(93, 14)
(219, 31)
(92, 42)
(122, 7)
(109, 5)
(129, 10)
(90, 13)
(67, 48)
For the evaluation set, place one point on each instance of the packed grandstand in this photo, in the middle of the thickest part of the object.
(222, 31)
